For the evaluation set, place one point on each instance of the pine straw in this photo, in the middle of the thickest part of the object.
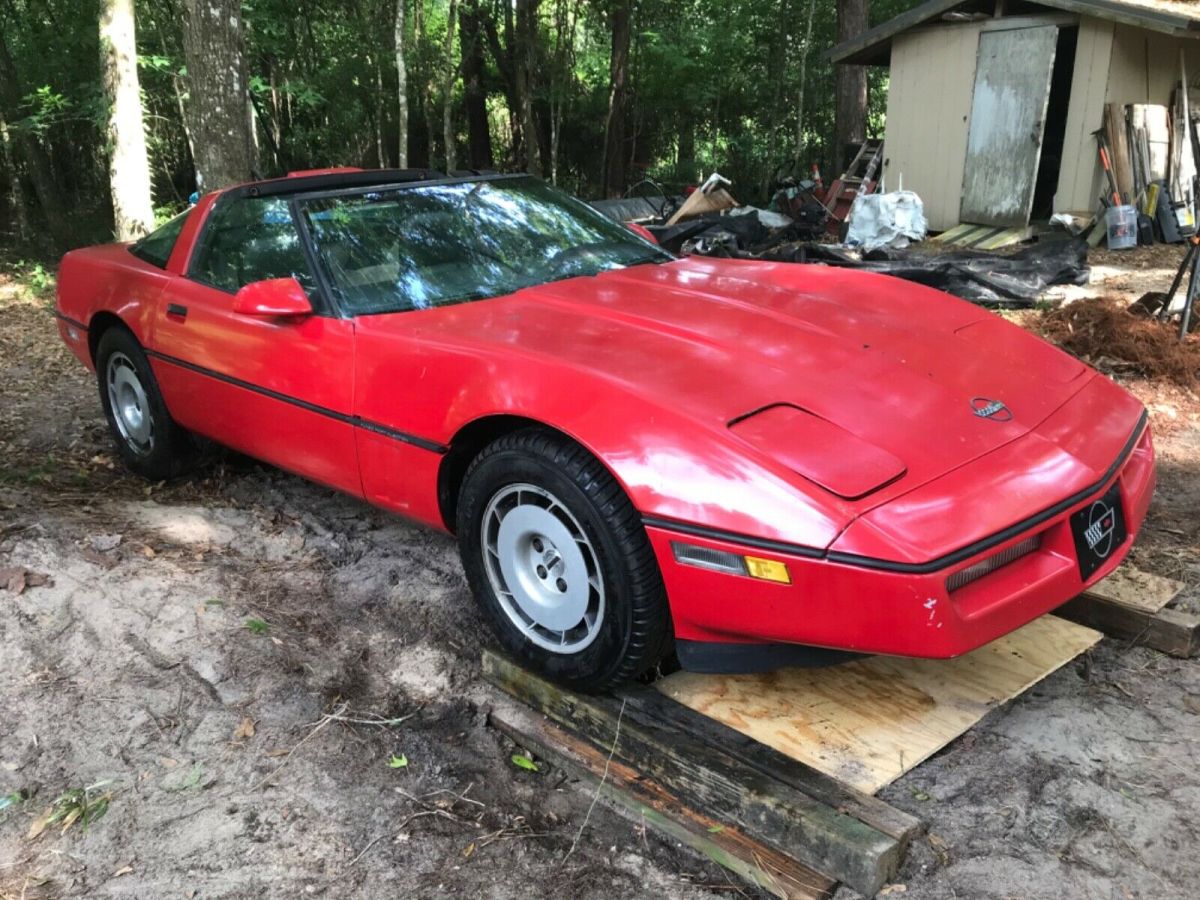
(1104, 333)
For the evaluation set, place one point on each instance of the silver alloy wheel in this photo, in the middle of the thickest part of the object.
(543, 569)
(130, 406)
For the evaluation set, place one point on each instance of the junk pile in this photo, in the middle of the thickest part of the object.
(877, 230)
(1105, 334)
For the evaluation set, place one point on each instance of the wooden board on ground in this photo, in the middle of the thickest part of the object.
(1132, 605)
(983, 237)
(868, 722)
(859, 841)
(1133, 587)
(648, 803)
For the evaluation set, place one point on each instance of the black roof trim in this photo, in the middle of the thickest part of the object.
(295, 184)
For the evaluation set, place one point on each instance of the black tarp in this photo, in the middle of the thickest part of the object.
(1016, 279)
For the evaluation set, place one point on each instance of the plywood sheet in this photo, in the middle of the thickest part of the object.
(868, 722)
(1141, 590)
(1008, 116)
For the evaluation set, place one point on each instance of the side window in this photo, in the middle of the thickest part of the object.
(250, 239)
(155, 248)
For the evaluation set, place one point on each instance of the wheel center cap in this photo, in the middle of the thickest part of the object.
(549, 584)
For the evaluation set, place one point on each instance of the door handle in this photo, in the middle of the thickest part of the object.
(177, 310)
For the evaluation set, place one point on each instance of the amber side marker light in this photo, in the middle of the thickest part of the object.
(731, 563)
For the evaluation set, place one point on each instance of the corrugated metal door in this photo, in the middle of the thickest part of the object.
(1008, 118)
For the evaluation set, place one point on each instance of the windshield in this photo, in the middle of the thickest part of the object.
(418, 247)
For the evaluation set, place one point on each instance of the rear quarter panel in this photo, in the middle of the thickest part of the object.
(106, 279)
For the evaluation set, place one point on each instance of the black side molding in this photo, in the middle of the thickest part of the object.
(356, 421)
(75, 323)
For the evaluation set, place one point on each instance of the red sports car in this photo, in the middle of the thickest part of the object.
(766, 463)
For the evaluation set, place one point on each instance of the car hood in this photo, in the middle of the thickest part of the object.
(896, 365)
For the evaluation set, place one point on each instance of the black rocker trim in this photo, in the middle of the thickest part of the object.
(356, 421)
(887, 565)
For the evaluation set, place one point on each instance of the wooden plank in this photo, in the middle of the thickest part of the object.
(1131, 586)
(647, 802)
(1118, 147)
(1172, 631)
(868, 722)
(953, 234)
(705, 778)
(816, 784)
(1005, 238)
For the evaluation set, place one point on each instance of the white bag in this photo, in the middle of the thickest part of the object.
(886, 220)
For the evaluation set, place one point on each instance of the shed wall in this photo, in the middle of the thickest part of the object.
(1113, 64)
(929, 106)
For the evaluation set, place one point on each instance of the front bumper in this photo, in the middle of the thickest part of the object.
(838, 603)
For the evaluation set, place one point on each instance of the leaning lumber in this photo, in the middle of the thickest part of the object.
(648, 803)
(712, 781)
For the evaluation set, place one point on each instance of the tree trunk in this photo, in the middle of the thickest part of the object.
(219, 107)
(812, 5)
(470, 39)
(401, 87)
(526, 36)
(128, 163)
(850, 85)
(16, 196)
(451, 70)
(613, 176)
(37, 162)
(685, 162)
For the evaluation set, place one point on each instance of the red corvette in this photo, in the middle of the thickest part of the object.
(766, 463)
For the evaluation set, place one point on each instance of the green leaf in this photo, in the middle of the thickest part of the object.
(192, 778)
(715, 829)
(398, 762)
(257, 626)
(521, 761)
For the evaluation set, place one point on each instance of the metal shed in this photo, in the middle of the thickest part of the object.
(992, 104)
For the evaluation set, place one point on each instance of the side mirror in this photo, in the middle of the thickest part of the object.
(642, 231)
(275, 297)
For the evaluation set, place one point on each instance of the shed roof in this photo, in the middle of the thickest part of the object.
(873, 46)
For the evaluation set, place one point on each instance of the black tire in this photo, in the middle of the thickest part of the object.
(168, 450)
(634, 629)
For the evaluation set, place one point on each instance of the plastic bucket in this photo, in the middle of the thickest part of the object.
(1121, 223)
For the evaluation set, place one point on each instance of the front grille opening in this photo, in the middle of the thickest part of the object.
(992, 563)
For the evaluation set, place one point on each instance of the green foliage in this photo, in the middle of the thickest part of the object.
(257, 626)
(714, 85)
(84, 806)
(398, 761)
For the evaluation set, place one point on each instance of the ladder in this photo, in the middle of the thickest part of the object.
(860, 177)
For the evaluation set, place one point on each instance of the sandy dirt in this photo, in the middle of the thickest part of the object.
(236, 663)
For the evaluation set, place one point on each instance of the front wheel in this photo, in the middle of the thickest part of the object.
(559, 562)
(148, 440)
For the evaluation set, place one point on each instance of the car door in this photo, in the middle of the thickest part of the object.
(277, 389)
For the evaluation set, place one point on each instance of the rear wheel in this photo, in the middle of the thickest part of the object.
(148, 440)
(559, 562)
